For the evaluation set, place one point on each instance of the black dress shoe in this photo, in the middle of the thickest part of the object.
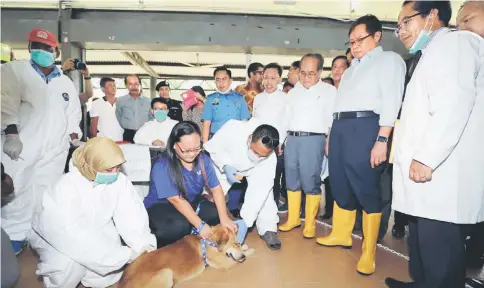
(398, 232)
(392, 283)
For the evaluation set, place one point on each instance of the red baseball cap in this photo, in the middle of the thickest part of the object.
(43, 36)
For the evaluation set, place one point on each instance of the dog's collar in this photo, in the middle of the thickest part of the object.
(204, 244)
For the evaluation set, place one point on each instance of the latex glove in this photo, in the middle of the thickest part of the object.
(232, 174)
(13, 146)
(241, 230)
(77, 143)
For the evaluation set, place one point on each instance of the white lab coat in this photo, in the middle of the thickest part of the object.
(154, 130)
(442, 127)
(78, 228)
(45, 114)
(229, 146)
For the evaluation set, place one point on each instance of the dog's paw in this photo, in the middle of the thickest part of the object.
(249, 252)
(245, 247)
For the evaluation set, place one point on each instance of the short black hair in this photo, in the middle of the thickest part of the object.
(424, 8)
(372, 24)
(266, 131)
(199, 90)
(253, 67)
(104, 80)
(274, 66)
(288, 84)
(328, 79)
(158, 100)
(131, 75)
(342, 57)
(316, 56)
(296, 64)
(222, 68)
(163, 83)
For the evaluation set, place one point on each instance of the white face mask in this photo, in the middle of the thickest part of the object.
(224, 92)
(253, 157)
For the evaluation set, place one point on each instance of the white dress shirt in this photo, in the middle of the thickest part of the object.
(154, 130)
(272, 109)
(311, 110)
(107, 125)
(374, 83)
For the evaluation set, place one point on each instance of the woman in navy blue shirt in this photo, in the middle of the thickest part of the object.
(177, 181)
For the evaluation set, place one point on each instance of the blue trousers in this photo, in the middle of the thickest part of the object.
(352, 179)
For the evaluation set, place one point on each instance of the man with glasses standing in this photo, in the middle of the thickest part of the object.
(369, 97)
(439, 161)
(306, 137)
(246, 149)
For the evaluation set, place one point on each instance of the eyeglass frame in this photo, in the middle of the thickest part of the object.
(195, 150)
(404, 23)
(350, 43)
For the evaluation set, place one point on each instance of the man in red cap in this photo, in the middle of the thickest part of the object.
(40, 116)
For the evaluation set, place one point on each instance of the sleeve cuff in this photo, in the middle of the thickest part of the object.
(426, 159)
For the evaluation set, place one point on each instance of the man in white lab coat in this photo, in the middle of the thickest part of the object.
(246, 149)
(270, 107)
(156, 131)
(439, 160)
(40, 115)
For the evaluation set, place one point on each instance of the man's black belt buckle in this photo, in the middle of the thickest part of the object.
(354, 114)
(300, 133)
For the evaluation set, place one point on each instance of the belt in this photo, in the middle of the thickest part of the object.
(355, 114)
(299, 133)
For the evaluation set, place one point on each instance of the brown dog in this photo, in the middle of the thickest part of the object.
(183, 261)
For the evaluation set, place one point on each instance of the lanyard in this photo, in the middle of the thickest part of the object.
(203, 242)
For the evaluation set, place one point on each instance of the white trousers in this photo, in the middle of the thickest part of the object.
(59, 271)
(30, 179)
(266, 217)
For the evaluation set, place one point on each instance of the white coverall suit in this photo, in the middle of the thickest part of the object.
(77, 230)
(45, 115)
(229, 146)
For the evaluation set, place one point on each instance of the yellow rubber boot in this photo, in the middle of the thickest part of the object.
(371, 227)
(293, 211)
(343, 223)
(312, 206)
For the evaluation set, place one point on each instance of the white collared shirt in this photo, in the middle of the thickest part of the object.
(107, 125)
(311, 110)
(272, 109)
(154, 130)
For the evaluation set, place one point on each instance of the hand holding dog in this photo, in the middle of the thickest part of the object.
(241, 231)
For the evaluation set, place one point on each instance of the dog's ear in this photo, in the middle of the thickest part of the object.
(221, 237)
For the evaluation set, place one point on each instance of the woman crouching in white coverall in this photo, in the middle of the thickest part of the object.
(83, 217)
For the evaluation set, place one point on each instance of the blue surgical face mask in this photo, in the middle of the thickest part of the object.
(106, 178)
(423, 37)
(42, 58)
(160, 115)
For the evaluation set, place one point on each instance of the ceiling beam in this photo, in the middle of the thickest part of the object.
(137, 60)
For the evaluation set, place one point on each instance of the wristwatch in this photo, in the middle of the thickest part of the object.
(382, 139)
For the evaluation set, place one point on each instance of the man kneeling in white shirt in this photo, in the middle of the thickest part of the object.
(156, 131)
(246, 149)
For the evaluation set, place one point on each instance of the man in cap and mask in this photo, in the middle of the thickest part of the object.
(40, 116)
(174, 106)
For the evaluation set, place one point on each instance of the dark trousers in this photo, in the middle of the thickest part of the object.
(437, 253)
(280, 181)
(128, 135)
(328, 197)
(475, 246)
(169, 225)
(353, 180)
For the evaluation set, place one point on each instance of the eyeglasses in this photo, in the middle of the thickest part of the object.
(404, 23)
(309, 75)
(268, 141)
(358, 41)
(194, 150)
